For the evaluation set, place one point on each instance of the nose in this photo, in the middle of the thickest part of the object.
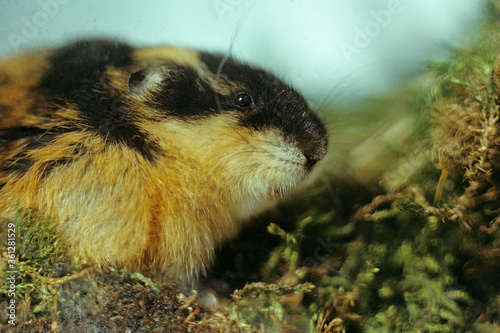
(312, 139)
(311, 162)
(315, 150)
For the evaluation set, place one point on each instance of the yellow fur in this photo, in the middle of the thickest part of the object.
(117, 207)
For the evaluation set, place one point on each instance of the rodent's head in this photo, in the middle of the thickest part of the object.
(256, 135)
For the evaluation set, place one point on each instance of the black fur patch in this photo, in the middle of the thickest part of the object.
(35, 138)
(16, 133)
(185, 95)
(23, 164)
(276, 105)
(274, 101)
(77, 70)
(19, 165)
(77, 76)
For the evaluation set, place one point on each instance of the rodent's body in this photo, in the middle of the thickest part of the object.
(149, 158)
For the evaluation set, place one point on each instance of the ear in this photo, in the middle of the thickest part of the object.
(144, 80)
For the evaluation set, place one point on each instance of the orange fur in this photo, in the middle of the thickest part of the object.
(116, 207)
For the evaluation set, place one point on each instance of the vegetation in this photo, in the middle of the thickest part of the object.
(407, 239)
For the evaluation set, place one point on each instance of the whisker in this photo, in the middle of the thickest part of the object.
(240, 135)
(228, 55)
(223, 161)
(349, 77)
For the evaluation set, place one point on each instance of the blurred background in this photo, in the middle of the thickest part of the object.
(335, 52)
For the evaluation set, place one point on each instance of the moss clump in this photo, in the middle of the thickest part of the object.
(53, 294)
(357, 255)
(269, 306)
(464, 128)
(406, 263)
(40, 260)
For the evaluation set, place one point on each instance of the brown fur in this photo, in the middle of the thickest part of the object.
(116, 207)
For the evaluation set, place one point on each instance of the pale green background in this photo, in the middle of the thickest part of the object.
(301, 41)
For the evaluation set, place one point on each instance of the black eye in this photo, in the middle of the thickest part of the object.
(243, 100)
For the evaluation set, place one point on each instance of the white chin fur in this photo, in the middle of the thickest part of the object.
(265, 196)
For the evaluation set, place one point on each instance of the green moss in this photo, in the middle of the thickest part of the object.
(269, 306)
(54, 294)
(40, 259)
(367, 254)
(400, 263)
